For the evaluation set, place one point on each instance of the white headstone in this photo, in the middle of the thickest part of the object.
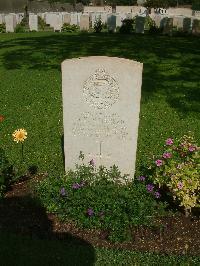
(11, 22)
(157, 19)
(79, 18)
(33, 22)
(187, 25)
(111, 23)
(104, 17)
(118, 20)
(139, 24)
(196, 27)
(55, 20)
(178, 22)
(2, 18)
(74, 19)
(84, 22)
(101, 105)
(19, 17)
(66, 18)
(48, 17)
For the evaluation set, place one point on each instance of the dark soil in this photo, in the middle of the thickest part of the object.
(22, 214)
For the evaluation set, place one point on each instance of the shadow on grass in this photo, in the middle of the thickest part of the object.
(171, 65)
(27, 237)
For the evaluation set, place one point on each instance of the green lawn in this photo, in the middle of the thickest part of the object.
(31, 97)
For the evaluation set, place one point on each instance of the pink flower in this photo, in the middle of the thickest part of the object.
(192, 148)
(167, 155)
(180, 185)
(150, 187)
(159, 162)
(169, 141)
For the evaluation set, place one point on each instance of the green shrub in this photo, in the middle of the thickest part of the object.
(2, 28)
(42, 24)
(127, 26)
(98, 25)
(149, 23)
(178, 168)
(95, 198)
(153, 29)
(19, 29)
(69, 28)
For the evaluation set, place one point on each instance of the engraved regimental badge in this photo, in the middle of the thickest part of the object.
(101, 90)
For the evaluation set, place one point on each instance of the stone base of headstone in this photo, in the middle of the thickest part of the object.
(168, 27)
(111, 23)
(139, 24)
(187, 25)
(11, 22)
(196, 27)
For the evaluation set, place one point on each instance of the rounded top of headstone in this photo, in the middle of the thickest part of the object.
(101, 59)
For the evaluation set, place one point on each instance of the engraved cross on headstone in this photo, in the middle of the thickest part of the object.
(99, 155)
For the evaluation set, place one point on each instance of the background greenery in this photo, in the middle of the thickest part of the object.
(31, 97)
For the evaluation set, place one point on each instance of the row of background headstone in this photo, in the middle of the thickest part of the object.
(113, 20)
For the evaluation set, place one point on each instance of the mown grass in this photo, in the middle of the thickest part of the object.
(26, 251)
(30, 89)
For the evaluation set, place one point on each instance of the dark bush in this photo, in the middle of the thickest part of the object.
(127, 26)
(98, 25)
(2, 28)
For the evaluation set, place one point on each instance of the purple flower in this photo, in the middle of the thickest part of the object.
(157, 194)
(90, 212)
(169, 142)
(150, 187)
(192, 148)
(158, 162)
(180, 185)
(76, 186)
(92, 163)
(167, 155)
(62, 191)
(141, 178)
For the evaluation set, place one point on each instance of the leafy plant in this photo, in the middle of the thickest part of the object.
(2, 28)
(19, 28)
(98, 25)
(149, 23)
(42, 24)
(178, 168)
(100, 198)
(69, 28)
